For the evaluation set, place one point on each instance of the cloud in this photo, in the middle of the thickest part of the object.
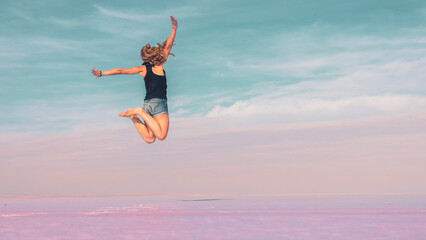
(308, 107)
(127, 15)
(64, 114)
(336, 78)
(53, 52)
(314, 65)
(65, 23)
(20, 13)
(383, 90)
(127, 23)
(315, 72)
(123, 22)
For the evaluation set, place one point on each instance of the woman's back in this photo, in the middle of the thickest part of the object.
(155, 82)
(158, 70)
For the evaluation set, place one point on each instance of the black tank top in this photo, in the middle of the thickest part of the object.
(155, 85)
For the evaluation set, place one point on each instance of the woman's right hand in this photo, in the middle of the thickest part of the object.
(174, 22)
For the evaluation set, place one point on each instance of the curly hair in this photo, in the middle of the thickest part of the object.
(154, 55)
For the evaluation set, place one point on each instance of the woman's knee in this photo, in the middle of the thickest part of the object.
(162, 137)
(149, 140)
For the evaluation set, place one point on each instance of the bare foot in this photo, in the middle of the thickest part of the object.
(131, 112)
(128, 116)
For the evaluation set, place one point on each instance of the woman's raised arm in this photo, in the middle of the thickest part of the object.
(171, 39)
(115, 71)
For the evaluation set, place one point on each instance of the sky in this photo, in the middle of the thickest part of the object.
(272, 97)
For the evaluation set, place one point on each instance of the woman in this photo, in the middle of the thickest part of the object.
(154, 111)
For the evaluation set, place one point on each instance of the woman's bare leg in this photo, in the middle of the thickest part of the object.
(159, 125)
(143, 130)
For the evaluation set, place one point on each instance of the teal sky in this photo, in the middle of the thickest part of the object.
(240, 64)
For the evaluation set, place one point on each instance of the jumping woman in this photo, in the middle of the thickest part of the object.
(154, 111)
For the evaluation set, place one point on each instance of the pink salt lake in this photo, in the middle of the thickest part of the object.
(213, 217)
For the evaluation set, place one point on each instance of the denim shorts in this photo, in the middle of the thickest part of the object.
(155, 106)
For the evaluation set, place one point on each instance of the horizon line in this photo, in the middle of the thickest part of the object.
(40, 196)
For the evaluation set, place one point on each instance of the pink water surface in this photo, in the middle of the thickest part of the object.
(231, 217)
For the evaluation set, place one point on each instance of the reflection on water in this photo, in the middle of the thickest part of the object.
(213, 217)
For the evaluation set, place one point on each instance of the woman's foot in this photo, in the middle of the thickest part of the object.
(131, 112)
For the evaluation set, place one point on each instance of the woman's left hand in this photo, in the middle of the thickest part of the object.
(95, 72)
